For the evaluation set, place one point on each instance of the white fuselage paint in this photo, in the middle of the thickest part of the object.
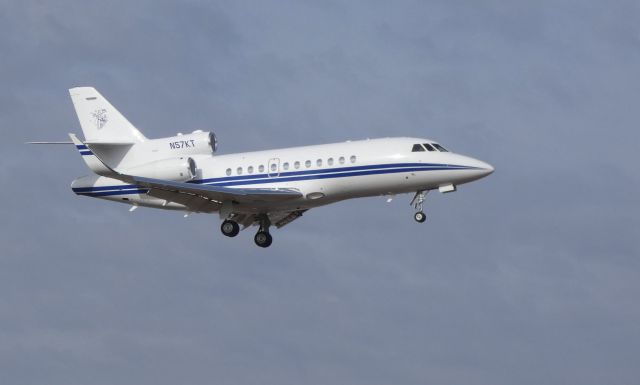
(379, 167)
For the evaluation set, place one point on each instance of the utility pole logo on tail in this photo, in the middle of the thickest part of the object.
(100, 117)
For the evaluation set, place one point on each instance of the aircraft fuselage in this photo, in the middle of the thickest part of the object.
(322, 173)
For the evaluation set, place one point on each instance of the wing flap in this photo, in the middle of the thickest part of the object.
(282, 219)
(218, 193)
(193, 203)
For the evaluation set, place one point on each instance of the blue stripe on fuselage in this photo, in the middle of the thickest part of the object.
(325, 171)
(246, 180)
(284, 178)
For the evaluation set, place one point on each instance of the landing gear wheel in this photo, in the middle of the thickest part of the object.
(420, 217)
(263, 239)
(230, 228)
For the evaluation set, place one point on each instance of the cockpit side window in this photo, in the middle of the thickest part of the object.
(440, 148)
(417, 148)
(429, 147)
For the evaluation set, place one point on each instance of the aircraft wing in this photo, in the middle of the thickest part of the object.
(193, 203)
(216, 193)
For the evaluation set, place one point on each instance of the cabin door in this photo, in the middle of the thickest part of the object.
(273, 169)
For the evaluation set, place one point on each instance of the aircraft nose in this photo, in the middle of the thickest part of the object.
(476, 169)
(485, 167)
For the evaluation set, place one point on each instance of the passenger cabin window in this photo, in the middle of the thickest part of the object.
(250, 169)
(428, 147)
(228, 171)
(285, 165)
(239, 170)
(353, 159)
(417, 148)
(261, 168)
(341, 160)
(274, 166)
(330, 161)
(319, 162)
(307, 164)
(296, 165)
(440, 148)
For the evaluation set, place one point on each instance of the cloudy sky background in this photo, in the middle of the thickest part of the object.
(529, 276)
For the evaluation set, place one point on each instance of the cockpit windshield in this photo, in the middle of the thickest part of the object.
(428, 146)
(440, 148)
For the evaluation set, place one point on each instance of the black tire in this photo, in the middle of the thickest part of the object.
(420, 217)
(263, 239)
(230, 228)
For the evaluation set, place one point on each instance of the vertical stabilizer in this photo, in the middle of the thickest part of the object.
(100, 121)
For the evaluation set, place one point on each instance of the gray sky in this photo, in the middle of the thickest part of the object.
(530, 276)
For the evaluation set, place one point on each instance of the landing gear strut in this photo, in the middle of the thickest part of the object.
(263, 238)
(230, 228)
(417, 202)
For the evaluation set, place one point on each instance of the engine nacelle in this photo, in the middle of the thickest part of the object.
(180, 169)
(195, 143)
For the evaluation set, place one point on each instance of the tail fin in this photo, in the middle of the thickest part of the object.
(100, 121)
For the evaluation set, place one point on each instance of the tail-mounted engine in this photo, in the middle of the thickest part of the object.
(180, 169)
(163, 158)
(195, 143)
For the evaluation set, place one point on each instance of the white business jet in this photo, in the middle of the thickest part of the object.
(261, 188)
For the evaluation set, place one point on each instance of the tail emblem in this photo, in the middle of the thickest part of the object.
(100, 117)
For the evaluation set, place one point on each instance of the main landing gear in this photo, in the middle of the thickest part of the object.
(230, 228)
(263, 238)
(417, 202)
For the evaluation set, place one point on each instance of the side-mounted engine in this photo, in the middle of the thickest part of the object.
(172, 158)
(181, 169)
(174, 163)
(195, 143)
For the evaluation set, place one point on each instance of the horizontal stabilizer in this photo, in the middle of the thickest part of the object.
(108, 143)
(98, 142)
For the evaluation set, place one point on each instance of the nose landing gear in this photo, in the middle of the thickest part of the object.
(417, 202)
